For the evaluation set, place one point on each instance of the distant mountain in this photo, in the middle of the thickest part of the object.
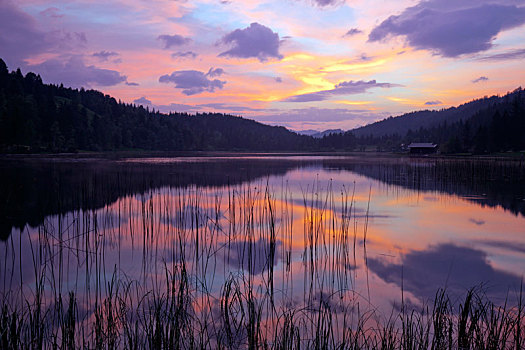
(400, 125)
(308, 132)
(320, 134)
(38, 117)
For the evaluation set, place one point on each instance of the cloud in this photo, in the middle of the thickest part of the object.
(314, 114)
(321, 118)
(344, 88)
(451, 28)
(278, 79)
(509, 55)
(185, 54)
(194, 82)
(177, 107)
(105, 55)
(457, 268)
(73, 72)
(173, 40)
(212, 73)
(480, 79)
(81, 36)
(132, 84)
(352, 32)
(19, 36)
(223, 106)
(142, 101)
(52, 12)
(433, 103)
(254, 41)
(325, 3)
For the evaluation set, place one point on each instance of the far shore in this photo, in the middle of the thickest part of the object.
(122, 155)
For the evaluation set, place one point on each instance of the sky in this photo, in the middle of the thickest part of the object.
(303, 64)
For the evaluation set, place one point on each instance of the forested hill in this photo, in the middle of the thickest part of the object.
(38, 117)
(413, 121)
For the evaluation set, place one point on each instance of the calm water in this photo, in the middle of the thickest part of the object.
(297, 231)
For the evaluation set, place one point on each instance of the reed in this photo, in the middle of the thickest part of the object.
(210, 268)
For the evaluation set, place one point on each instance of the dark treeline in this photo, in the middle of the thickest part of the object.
(497, 127)
(38, 117)
(33, 189)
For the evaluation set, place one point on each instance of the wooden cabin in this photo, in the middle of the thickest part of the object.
(422, 148)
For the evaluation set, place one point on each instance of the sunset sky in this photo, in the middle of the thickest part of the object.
(304, 64)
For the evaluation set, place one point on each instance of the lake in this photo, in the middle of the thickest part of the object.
(242, 251)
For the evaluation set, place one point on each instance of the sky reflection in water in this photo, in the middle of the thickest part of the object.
(419, 237)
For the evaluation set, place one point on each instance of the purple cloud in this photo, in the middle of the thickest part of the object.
(73, 72)
(433, 103)
(81, 36)
(344, 88)
(20, 37)
(278, 79)
(132, 84)
(480, 79)
(194, 82)
(451, 28)
(212, 73)
(509, 55)
(352, 32)
(223, 106)
(254, 41)
(105, 55)
(324, 3)
(177, 107)
(52, 12)
(143, 101)
(173, 40)
(185, 54)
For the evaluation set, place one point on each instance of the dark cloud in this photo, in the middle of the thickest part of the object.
(132, 84)
(142, 101)
(173, 40)
(19, 36)
(446, 265)
(105, 55)
(185, 54)
(433, 103)
(451, 28)
(325, 3)
(212, 73)
(343, 88)
(73, 72)
(278, 79)
(509, 55)
(480, 79)
(352, 32)
(254, 41)
(194, 82)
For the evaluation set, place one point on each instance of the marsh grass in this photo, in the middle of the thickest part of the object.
(81, 293)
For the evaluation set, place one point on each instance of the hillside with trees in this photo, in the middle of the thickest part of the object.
(44, 118)
(488, 125)
(38, 117)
